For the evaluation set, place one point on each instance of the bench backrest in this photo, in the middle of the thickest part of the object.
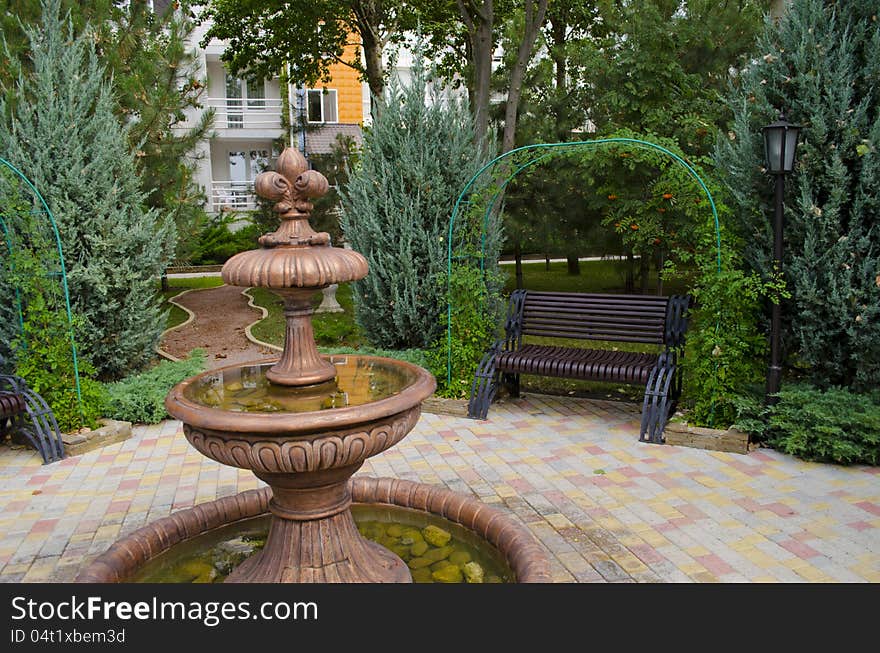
(593, 316)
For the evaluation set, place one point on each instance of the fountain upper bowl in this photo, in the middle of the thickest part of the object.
(405, 386)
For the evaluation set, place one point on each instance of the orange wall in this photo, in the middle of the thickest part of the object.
(349, 95)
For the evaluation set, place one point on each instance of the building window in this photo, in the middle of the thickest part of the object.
(242, 93)
(322, 105)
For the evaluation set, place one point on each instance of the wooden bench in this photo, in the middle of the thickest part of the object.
(648, 319)
(26, 417)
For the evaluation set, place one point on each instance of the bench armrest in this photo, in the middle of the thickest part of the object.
(513, 324)
(677, 320)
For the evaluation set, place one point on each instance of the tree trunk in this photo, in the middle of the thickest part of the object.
(547, 262)
(630, 283)
(479, 20)
(534, 19)
(574, 265)
(517, 255)
(661, 259)
(777, 9)
(368, 20)
(560, 63)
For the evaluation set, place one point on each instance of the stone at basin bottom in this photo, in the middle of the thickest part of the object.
(328, 550)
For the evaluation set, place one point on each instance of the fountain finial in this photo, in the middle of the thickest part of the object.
(291, 186)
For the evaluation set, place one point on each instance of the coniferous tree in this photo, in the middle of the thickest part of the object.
(64, 135)
(155, 78)
(821, 66)
(396, 208)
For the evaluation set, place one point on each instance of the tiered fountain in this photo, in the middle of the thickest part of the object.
(305, 424)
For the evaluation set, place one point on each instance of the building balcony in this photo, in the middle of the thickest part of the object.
(236, 114)
(232, 196)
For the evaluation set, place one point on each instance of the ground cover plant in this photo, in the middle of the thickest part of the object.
(140, 397)
(833, 425)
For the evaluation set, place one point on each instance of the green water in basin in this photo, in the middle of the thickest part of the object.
(245, 388)
(435, 549)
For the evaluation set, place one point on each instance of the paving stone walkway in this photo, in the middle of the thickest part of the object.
(606, 507)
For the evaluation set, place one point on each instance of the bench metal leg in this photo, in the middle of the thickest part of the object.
(511, 382)
(484, 387)
(657, 405)
(39, 428)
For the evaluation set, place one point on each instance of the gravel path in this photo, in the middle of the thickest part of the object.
(221, 316)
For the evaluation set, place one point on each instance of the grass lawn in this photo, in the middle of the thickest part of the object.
(177, 285)
(331, 329)
(596, 276)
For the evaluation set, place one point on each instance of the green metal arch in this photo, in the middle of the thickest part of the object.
(18, 173)
(547, 150)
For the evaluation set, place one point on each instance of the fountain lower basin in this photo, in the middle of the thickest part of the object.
(509, 541)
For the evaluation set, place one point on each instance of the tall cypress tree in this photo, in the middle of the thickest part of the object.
(396, 208)
(821, 65)
(64, 135)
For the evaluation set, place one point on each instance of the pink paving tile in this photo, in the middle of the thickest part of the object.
(593, 449)
(860, 526)
(107, 458)
(678, 522)
(663, 480)
(118, 506)
(129, 484)
(38, 479)
(646, 554)
(15, 506)
(44, 526)
(873, 508)
(800, 549)
(521, 485)
(597, 512)
(556, 498)
(714, 564)
(749, 504)
(580, 480)
(650, 460)
(630, 472)
(757, 455)
(691, 511)
(780, 509)
(601, 481)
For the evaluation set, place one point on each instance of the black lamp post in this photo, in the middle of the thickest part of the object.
(780, 143)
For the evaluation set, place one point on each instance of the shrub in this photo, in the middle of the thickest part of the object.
(218, 241)
(141, 397)
(833, 425)
(474, 327)
(415, 160)
(46, 364)
(64, 135)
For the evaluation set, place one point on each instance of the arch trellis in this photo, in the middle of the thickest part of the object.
(536, 154)
(62, 273)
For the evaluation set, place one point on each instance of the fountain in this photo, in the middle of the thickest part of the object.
(304, 424)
